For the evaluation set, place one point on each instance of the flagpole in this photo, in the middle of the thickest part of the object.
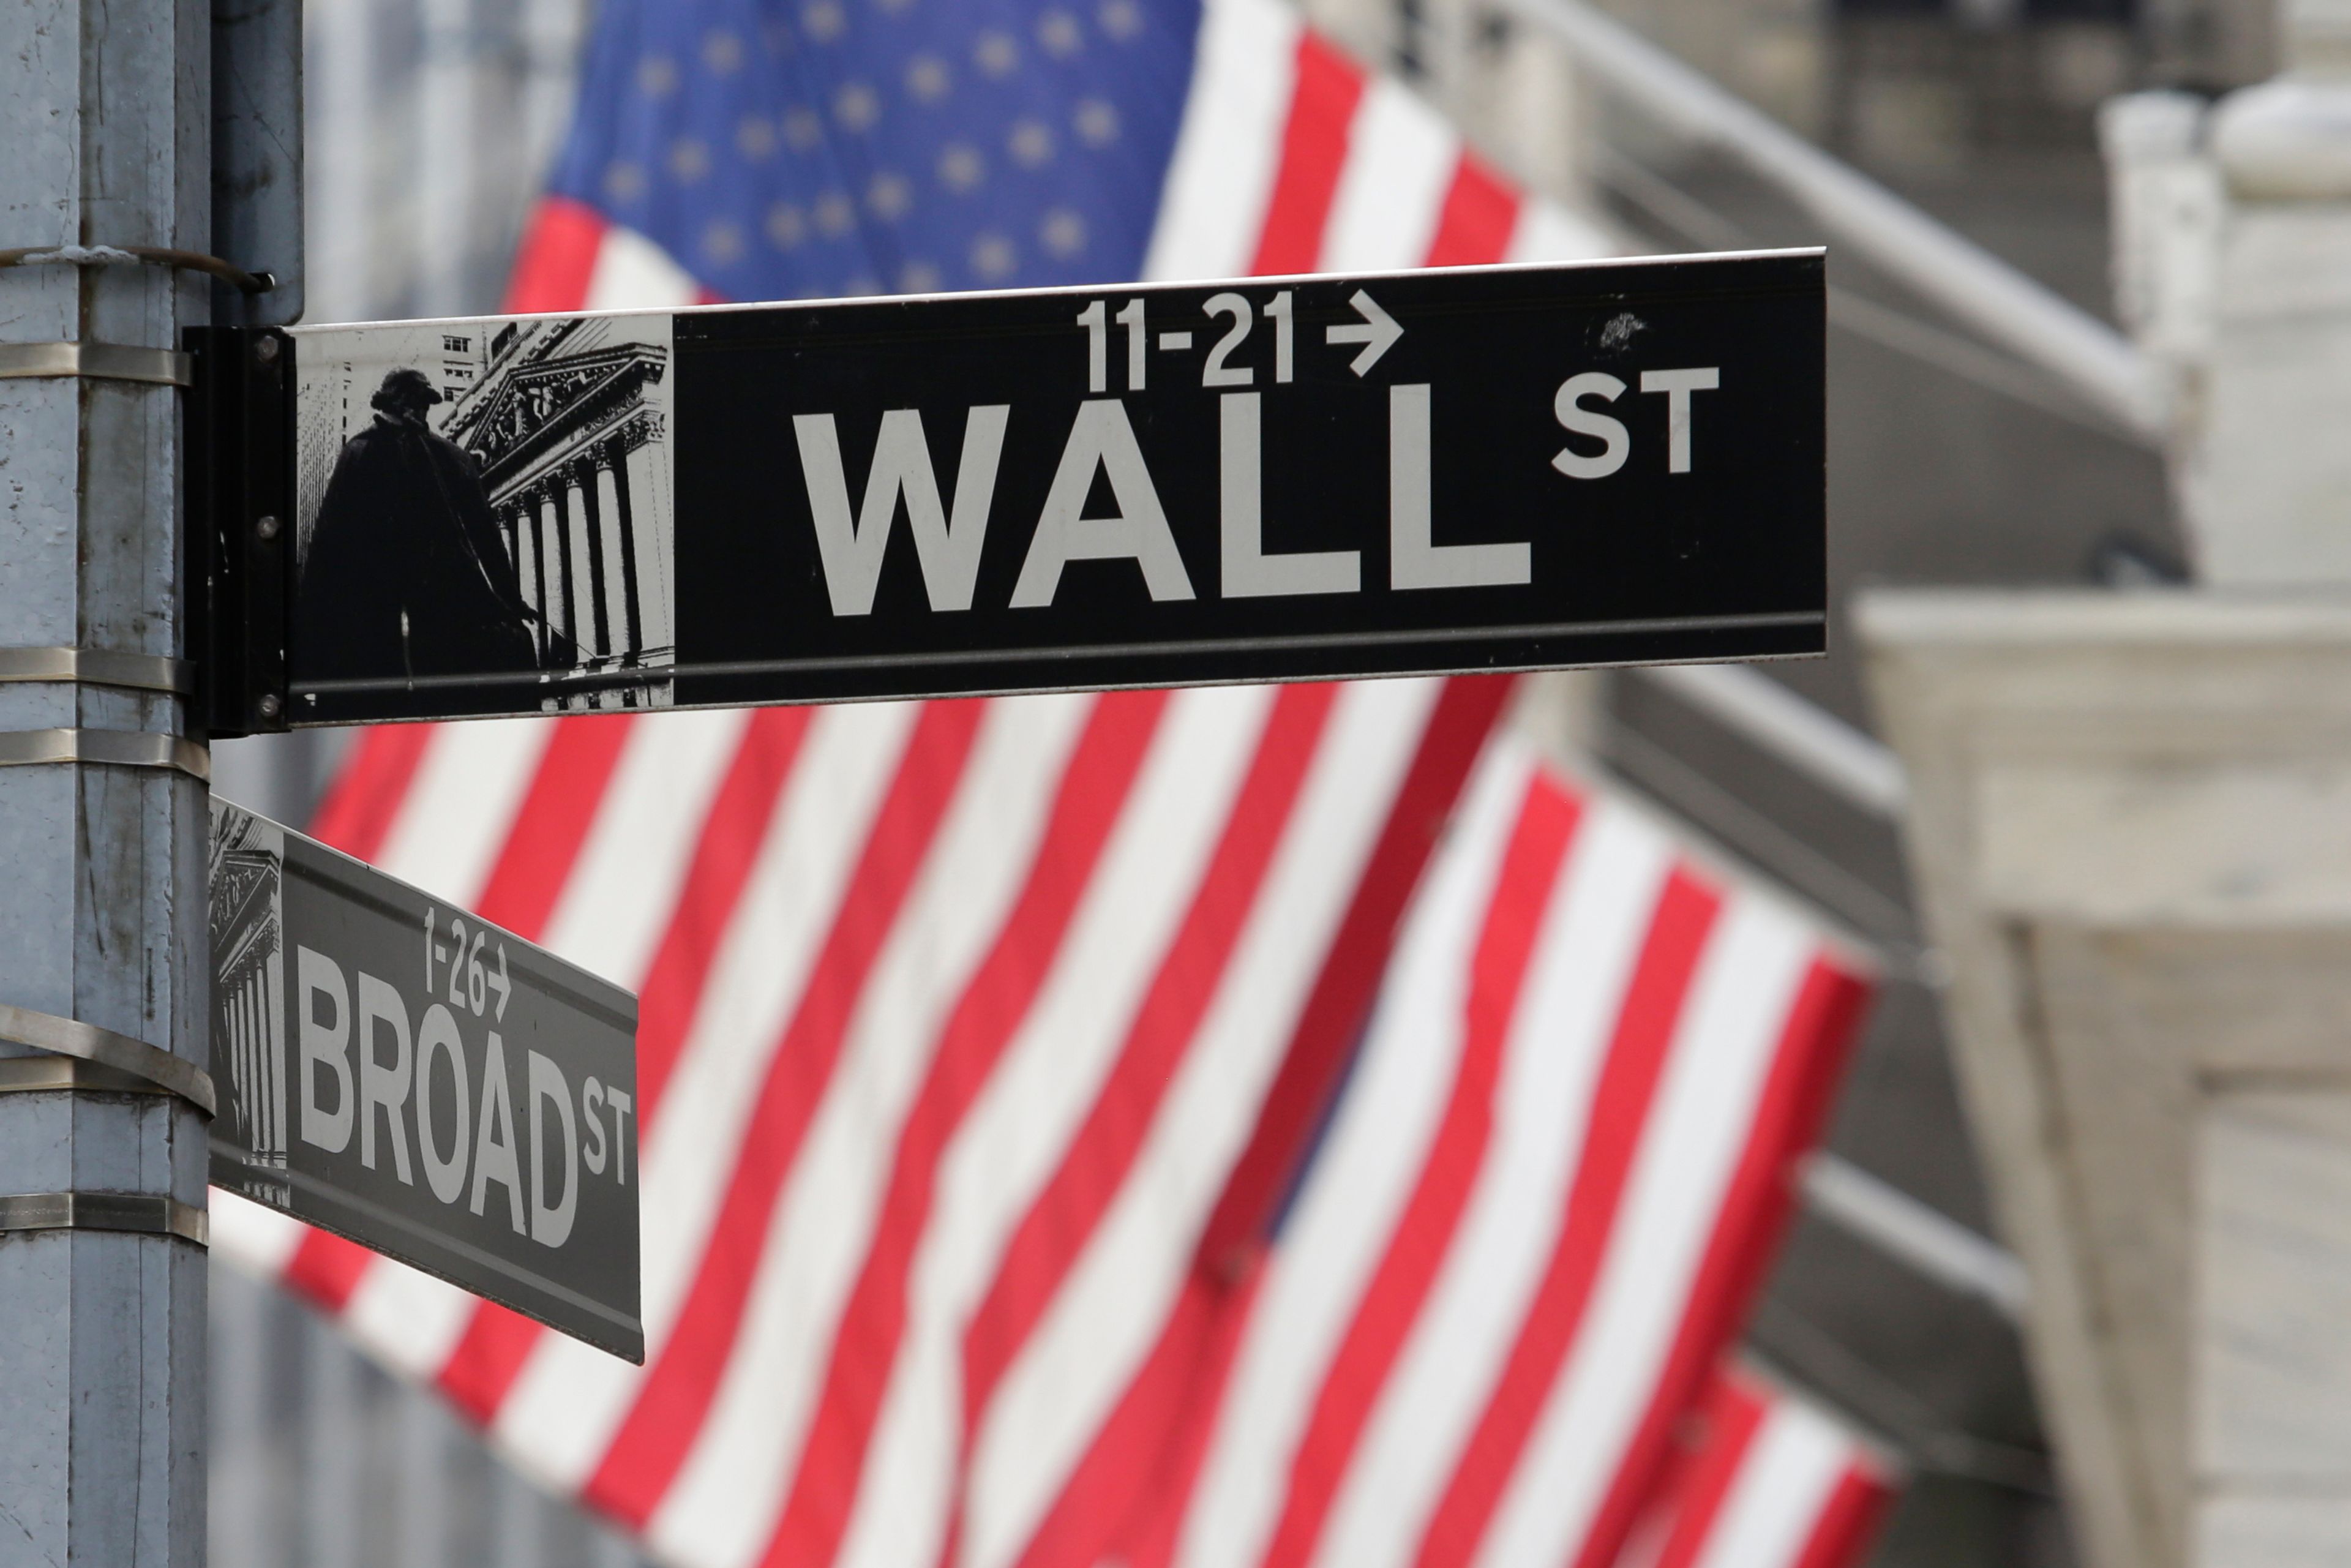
(103, 814)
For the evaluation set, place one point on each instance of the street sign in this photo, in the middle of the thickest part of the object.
(1481, 468)
(401, 1073)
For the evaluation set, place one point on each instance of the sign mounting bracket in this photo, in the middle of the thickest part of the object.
(240, 453)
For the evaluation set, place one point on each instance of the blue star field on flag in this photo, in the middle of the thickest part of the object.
(843, 147)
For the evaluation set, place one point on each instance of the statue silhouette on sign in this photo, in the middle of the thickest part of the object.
(408, 573)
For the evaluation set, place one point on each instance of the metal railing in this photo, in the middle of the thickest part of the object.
(1960, 277)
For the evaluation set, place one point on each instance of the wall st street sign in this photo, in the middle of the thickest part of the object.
(399, 1072)
(1489, 468)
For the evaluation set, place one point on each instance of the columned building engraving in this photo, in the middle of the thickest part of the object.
(249, 989)
(568, 422)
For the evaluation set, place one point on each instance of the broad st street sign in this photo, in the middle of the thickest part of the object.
(1486, 468)
(399, 1072)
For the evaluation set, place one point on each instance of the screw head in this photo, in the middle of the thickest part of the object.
(266, 350)
(269, 707)
(264, 527)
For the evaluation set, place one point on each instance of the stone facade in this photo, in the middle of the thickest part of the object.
(2131, 824)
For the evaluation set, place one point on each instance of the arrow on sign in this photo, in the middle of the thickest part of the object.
(1377, 332)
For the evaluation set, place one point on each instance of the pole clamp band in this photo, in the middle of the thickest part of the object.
(227, 272)
(157, 1071)
(109, 748)
(66, 1074)
(98, 667)
(95, 361)
(140, 1213)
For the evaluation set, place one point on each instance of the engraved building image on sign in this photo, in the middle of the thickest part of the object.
(486, 501)
(248, 933)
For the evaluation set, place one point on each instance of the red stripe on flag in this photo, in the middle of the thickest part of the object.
(1808, 1062)
(1096, 1166)
(1848, 1522)
(557, 259)
(1124, 1502)
(733, 832)
(1384, 1317)
(326, 1268)
(1335, 1011)
(672, 1403)
(1619, 1115)
(552, 823)
(1313, 150)
(1733, 1419)
(1086, 807)
(488, 1356)
(358, 814)
(1475, 223)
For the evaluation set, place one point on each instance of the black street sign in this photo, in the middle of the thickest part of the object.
(1483, 468)
(395, 1071)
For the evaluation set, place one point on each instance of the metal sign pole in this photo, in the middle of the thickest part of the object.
(103, 966)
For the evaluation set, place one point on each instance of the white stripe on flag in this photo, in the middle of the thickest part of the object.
(1010, 1141)
(617, 902)
(633, 273)
(725, 1500)
(459, 810)
(1340, 1226)
(1219, 183)
(568, 1399)
(1547, 232)
(1401, 158)
(409, 1318)
(1574, 991)
(1791, 1469)
(1089, 1344)
(1721, 1055)
(258, 1239)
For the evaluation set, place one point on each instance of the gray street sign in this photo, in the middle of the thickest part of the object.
(397, 1071)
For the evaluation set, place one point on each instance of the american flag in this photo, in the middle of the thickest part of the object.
(1060, 1143)
(994, 1213)
(1531, 1222)
(741, 150)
